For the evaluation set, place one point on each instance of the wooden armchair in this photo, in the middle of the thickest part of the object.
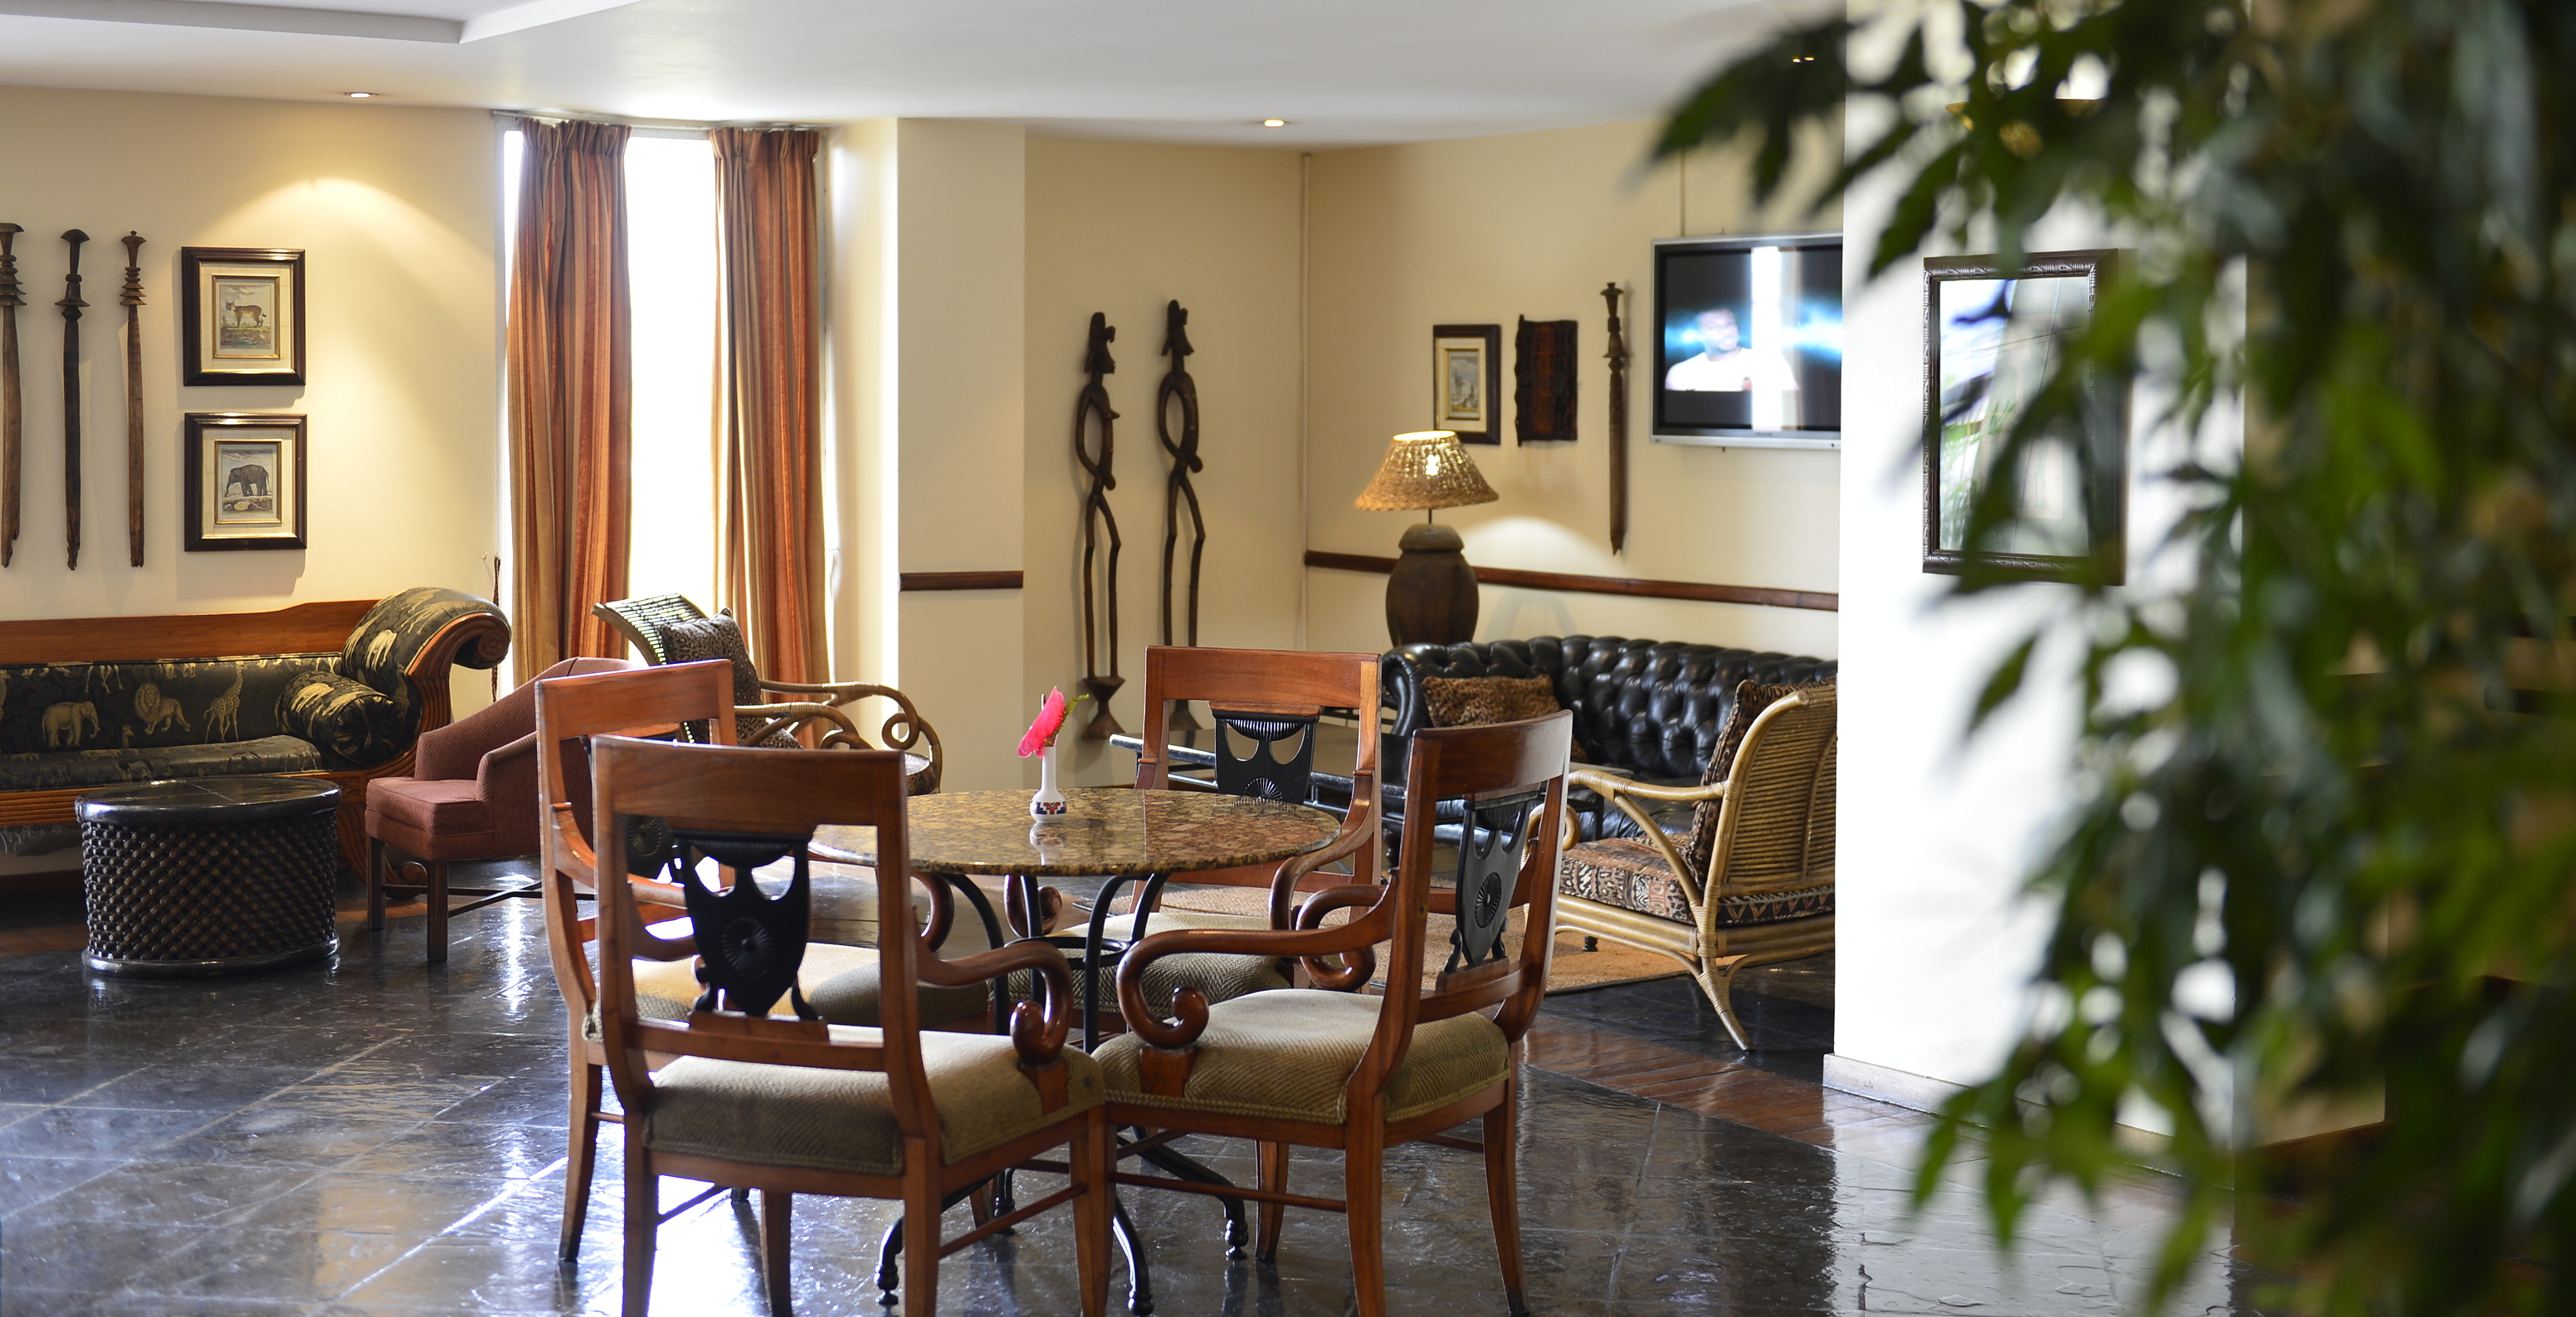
(1363, 1073)
(737, 1097)
(653, 624)
(845, 983)
(1752, 883)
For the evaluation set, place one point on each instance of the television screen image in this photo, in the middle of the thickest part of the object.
(1749, 348)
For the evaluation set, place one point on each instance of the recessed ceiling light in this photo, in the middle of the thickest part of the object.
(357, 95)
(1274, 123)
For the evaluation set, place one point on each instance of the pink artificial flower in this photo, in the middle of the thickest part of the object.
(1041, 733)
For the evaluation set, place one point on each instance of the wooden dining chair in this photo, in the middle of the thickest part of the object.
(843, 981)
(1364, 1073)
(1271, 700)
(745, 1099)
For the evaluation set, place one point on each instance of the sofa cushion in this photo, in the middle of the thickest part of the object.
(1631, 874)
(843, 1120)
(1483, 701)
(144, 705)
(720, 637)
(93, 768)
(354, 725)
(1288, 1055)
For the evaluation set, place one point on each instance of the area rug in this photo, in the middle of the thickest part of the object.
(1571, 969)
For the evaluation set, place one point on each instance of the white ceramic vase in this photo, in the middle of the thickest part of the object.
(1049, 801)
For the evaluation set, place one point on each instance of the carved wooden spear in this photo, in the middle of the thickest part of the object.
(132, 297)
(71, 305)
(9, 398)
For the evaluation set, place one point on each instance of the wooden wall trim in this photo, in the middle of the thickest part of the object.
(315, 628)
(1694, 591)
(960, 580)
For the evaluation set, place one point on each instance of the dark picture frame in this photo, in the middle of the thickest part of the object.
(1456, 351)
(1991, 334)
(241, 315)
(243, 481)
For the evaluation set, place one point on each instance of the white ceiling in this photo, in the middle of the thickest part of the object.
(1343, 72)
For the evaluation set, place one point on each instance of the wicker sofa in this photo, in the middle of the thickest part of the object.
(1652, 710)
(339, 689)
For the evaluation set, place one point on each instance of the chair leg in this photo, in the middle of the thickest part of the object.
(1717, 979)
(582, 1156)
(1092, 1165)
(643, 1218)
(774, 1209)
(1363, 1185)
(1502, 1191)
(1274, 1179)
(437, 910)
(920, 1229)
(375, 885)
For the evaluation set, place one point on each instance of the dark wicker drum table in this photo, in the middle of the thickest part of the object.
(218, 875)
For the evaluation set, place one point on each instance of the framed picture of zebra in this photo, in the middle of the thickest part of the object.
(241, 315)
(245, 481)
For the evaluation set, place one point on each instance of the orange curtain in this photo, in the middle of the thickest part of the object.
(571, 399)
(770, 464)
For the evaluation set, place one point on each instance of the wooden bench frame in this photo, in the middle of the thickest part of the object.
(314, 628)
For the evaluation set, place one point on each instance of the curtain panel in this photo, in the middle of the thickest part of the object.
(770, 513)
(570, 396)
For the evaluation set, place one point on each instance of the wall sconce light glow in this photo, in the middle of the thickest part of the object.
(357, 95)
(1274, 123)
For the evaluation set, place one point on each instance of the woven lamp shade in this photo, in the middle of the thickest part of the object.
(1427, 469)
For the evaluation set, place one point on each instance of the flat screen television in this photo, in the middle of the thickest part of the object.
(1749, 341)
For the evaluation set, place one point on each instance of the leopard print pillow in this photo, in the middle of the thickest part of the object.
(1480, 701)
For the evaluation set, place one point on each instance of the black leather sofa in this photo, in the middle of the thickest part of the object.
(1653, 708)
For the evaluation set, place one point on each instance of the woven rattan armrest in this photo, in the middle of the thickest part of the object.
(1625, 794)
(1608, 788)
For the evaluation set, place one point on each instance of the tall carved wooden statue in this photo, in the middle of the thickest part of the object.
(1178, 387)
(1618, 355)
(11, 416)
(1097, 519)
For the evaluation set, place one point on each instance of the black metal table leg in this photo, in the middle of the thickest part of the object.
(1185, 1167)
(1140, 1285)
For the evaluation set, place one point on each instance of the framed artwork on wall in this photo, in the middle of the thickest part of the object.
(1992, 336)
(244, 477)
(241, 315)
(1467, 381)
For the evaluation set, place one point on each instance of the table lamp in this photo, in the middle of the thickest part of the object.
(1431, 596)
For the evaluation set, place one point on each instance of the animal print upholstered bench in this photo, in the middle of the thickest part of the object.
(339, 690)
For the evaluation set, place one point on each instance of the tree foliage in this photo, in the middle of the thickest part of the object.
(2351, 797)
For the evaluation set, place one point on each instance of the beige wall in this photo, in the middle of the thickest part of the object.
(397, 211)
(1491, 229)
(1124, 229)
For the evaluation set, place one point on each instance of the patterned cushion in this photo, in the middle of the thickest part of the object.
(1750, 701)
(843, 1120)
(1480, 701)
(1632, 875)
(720, 637)
(95, 768)
(1219, 976)
(1287, 1055)
(354, 725)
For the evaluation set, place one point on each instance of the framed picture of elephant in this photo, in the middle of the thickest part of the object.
(241, 315)
(245, 481)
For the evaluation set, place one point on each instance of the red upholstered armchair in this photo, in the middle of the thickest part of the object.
(472, 795)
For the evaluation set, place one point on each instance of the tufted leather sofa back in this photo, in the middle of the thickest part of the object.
(1654, 706)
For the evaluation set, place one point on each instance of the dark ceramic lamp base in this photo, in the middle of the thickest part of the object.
(1431, 595)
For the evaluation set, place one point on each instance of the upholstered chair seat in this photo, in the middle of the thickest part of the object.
(843, 1120)
(1288, 1055)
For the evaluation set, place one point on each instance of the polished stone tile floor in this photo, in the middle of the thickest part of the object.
(383, 1136)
